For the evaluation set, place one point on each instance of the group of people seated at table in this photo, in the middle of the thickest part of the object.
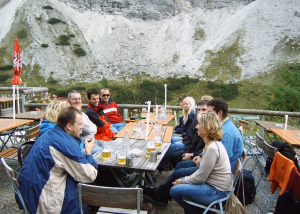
(203, 156)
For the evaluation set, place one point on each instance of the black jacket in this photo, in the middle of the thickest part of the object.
(193, 143)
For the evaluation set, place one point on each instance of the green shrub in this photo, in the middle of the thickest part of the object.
(64, 40)
(44, 45)
(7, 67)
(22, 34)
(79, 52)
(53, 21)
(179, 83)
(226, 91)
(48, 7)
(3, 78)
(77, 45)
(71, 35)
(38, 18)
(79, 88)
(104, 82)
(153, 91)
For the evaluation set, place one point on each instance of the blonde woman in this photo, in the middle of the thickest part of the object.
(212, 180)
(188, 112)
(52, 111)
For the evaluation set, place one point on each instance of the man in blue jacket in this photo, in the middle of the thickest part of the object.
(48, 179)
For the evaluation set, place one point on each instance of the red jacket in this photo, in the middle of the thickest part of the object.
(111, 110)
(97, 116)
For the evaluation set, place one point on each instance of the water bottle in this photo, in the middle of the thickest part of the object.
(163, 114)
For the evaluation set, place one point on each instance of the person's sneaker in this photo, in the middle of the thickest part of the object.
(128, 177)
(150, 199)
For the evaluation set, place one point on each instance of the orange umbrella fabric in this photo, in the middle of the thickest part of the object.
(17, 65)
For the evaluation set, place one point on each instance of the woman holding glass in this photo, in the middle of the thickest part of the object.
(212, 180)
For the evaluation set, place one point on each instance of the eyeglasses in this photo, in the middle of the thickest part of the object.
(105, 95)
(74, 99)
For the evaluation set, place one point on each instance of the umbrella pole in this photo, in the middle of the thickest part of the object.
(18, 104)
(14, 116)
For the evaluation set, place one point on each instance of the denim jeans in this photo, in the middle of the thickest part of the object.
(116, 127)
(203, 193)
(99, 144)
(174, 147)
(175, 139)
(164, 189)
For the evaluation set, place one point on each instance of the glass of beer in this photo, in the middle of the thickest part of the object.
(158, 142)
(121, 158)
(106, 153)
(150, 148)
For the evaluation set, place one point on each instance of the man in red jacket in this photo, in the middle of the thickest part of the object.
(97, 116)
(111, 110)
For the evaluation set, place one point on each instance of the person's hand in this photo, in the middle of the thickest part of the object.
(177, 181)
(196, 160)
(89, 145)
(187, 156)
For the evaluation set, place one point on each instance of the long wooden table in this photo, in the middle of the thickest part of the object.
(291, 134)
(292, 137)
(167, 132)
(30, 115)
(11, 124)
(168, 119)
(141, 164)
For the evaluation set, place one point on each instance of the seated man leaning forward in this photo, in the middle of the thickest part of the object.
(97, 116)
(48, 179)
(111, 110)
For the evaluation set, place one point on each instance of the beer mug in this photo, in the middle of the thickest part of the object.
(106, 153)
(150, 148)
(121, 158)
(158, 141)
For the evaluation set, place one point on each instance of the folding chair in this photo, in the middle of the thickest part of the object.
(111, 199)
(30, 133)
(268, 151)
(238, 167)
(14, 184)
(249, 144)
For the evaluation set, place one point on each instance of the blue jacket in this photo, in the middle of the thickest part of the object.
(48, 179)
(45, 125)
(181, 128)
(232, 141)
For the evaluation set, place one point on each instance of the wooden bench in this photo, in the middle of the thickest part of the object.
(111, 199)
(297, 150)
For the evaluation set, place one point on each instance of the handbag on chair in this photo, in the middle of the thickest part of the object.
(233, 204)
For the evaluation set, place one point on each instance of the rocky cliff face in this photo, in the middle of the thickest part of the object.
(217, 39)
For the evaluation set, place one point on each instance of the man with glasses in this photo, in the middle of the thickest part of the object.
(97, 116)
(111, 110)
(89, 128)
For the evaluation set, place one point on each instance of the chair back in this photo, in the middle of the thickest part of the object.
(269, 150)
(128, 198)
(259, 141)
(6, 111)
(14, 183)
(244, 124)
(24, 150)
(31, 133)
(237, 170)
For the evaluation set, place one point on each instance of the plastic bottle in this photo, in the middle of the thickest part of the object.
(163, 114)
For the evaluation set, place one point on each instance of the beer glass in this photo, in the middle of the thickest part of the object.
(158, 142)
(150, 148)
(106, 153)
(121, 158)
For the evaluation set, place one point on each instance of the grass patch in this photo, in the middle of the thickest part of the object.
(79, 52)
(223, 63)
(48, 7)
(64, 40)
(199, 34)
(53, 21)
(7, 67)
(44, 45)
